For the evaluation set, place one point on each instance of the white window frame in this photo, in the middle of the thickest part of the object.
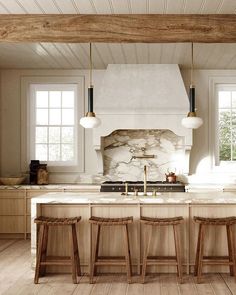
(27, 130)
(214, 84)
(52, 87)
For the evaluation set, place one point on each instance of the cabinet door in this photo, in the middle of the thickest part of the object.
(12, 211)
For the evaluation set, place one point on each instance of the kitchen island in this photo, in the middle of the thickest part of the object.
(208, 204)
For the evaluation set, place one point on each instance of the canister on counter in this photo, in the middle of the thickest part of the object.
(42, 174)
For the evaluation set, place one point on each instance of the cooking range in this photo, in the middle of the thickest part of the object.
(158, 186)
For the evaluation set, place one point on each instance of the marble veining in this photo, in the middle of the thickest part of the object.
(123, 147)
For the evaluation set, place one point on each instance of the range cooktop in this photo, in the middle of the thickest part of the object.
(158, 186)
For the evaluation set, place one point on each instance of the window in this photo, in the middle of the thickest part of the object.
(50, 109)
(226, 113)
(54, 124)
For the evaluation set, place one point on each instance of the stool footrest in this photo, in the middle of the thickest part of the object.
(57, 260)
(212, 260)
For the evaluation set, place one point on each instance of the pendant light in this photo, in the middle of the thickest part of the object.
(90, 120)
(192, 121)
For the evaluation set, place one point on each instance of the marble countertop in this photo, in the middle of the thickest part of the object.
(116, 198)
(96, 187)
(60, 186)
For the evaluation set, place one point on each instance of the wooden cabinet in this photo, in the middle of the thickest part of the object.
(15, 209)
(12, 213)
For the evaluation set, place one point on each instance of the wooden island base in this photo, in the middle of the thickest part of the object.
(85, 205)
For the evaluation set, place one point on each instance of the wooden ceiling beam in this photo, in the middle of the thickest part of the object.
(123, 28)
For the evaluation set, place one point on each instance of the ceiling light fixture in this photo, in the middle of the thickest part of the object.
(192, 121)
(90, 120)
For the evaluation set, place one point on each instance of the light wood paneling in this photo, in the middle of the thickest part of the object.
(14, 194)
(12, 206)
(28, 224)
(12, 224)
(121, 6)
(76, 56)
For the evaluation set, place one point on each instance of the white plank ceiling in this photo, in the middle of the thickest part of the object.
(65, 56)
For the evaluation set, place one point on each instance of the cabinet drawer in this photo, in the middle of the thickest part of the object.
(14, 194)
(11, 206)
(12, 224)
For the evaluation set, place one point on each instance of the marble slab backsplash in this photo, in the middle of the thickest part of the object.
(122, 147)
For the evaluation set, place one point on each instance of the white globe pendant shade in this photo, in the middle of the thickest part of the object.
(192, 122)
(90, 122)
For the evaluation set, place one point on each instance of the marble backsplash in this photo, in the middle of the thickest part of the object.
(122, 149)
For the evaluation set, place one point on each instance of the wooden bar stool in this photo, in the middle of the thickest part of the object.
(162, 260)
(96, 260)
(201, 260)
(42, 260)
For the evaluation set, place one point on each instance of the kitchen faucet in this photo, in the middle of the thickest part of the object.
(145, 181)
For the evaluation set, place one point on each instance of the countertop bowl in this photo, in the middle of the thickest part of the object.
(12, 180)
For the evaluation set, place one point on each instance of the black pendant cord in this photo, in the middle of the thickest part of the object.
(192, 99)
(90, 99)
(90, 89)
(192, 88)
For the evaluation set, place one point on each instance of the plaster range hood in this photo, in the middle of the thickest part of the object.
(141, 96)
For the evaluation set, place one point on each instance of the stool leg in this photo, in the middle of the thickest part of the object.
(232, 249)
(147, 235)
(231, 268)
(200, 256)
(97, 249)
(94, 251)
(178, 253)
(44, 250)
(76, 249)
(197, 251)
(39, 253)
(127, 253)
(73, 256)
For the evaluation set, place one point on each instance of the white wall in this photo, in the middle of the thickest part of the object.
(201, 165)
(10, 114)
(10, 120)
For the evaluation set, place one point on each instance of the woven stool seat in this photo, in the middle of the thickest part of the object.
(57, 221)
(161, 221)
(110, 221)
(215, 221)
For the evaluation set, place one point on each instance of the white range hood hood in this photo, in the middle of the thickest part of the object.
(141, 97)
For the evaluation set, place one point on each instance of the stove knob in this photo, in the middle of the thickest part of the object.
(113, 188)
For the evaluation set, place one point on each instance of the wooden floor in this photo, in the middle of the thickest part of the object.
(16, 277)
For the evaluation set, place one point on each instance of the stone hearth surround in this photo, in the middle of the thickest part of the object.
(143, 99)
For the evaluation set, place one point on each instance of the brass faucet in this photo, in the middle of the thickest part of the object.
(145, 181)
